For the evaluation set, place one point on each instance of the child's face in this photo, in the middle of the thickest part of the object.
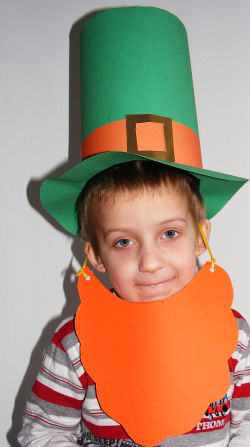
(148, 243)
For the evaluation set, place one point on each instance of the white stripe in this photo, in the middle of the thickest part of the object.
(230, 392)
(243, 338)
(242, 380)
(100, 422)
(61, 371)
(74, 352)
(62, 420)
(60, 389)
(91, 404)
(238, 415)
(79, 369)
(237, 355)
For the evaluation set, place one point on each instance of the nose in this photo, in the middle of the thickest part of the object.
(150, 260)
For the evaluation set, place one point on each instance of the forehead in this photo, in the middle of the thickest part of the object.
(139, 194)
(147, 204)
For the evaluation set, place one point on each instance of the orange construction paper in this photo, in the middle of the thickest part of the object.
(113, 137)
(187, 148)
(158, 365)
(150, 136)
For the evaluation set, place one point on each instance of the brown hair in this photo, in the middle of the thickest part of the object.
(133, 176)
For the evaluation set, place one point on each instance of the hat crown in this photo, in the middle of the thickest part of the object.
(135, 60)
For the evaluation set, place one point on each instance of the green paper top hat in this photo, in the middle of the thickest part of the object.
(137, 103)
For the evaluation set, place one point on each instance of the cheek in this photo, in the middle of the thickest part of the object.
(185, 263)
(121, 272)
(188, 271)
(182, 254)
(121, 276)
(120, 260)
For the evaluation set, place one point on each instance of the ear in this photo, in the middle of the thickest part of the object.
(200, 246)
(94, 259)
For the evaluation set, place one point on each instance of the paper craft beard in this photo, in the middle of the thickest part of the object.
(158, 365)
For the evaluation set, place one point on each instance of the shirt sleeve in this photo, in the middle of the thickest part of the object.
(240, 405)
(53, 411)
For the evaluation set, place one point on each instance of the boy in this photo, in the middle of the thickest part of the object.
(145, 235)
(145, 223)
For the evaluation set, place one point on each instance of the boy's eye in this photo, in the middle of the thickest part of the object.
(170, 234)
(123, 243)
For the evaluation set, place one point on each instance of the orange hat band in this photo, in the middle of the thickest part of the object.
(148, 135)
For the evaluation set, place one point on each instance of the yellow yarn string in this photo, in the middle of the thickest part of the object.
(213, 261)
(81, 271)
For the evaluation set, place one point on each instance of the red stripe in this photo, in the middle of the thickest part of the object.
(108, 431)
(78, 388)
(90, 381)
(53, 397)
(232, 364)
(84, 380)
(57, 341)
(68, 427)
(243, 348)
(235, 423)
(237, 314)
(76, 362)
(66, 329)
(242, 373)
(242, 390)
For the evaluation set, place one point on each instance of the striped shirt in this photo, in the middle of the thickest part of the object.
(63, 408)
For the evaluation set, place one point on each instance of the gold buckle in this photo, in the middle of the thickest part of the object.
(132, 144)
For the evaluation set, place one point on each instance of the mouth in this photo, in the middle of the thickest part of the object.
(155, 284)
(155, 290)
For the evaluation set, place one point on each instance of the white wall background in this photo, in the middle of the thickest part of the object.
(40, 131)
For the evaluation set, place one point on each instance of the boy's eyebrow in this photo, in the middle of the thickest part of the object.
(115, 230)
(172, 221)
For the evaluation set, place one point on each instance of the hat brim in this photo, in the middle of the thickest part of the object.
(58, 195)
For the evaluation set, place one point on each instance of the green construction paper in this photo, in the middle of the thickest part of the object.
(135, 61)
(59, 195)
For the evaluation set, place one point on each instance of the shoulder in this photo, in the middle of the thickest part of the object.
(244, 330)
(65, 337)
(66, 327)
(65, 348)
(242, 349)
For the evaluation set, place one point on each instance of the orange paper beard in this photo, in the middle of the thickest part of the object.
(158, 365)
